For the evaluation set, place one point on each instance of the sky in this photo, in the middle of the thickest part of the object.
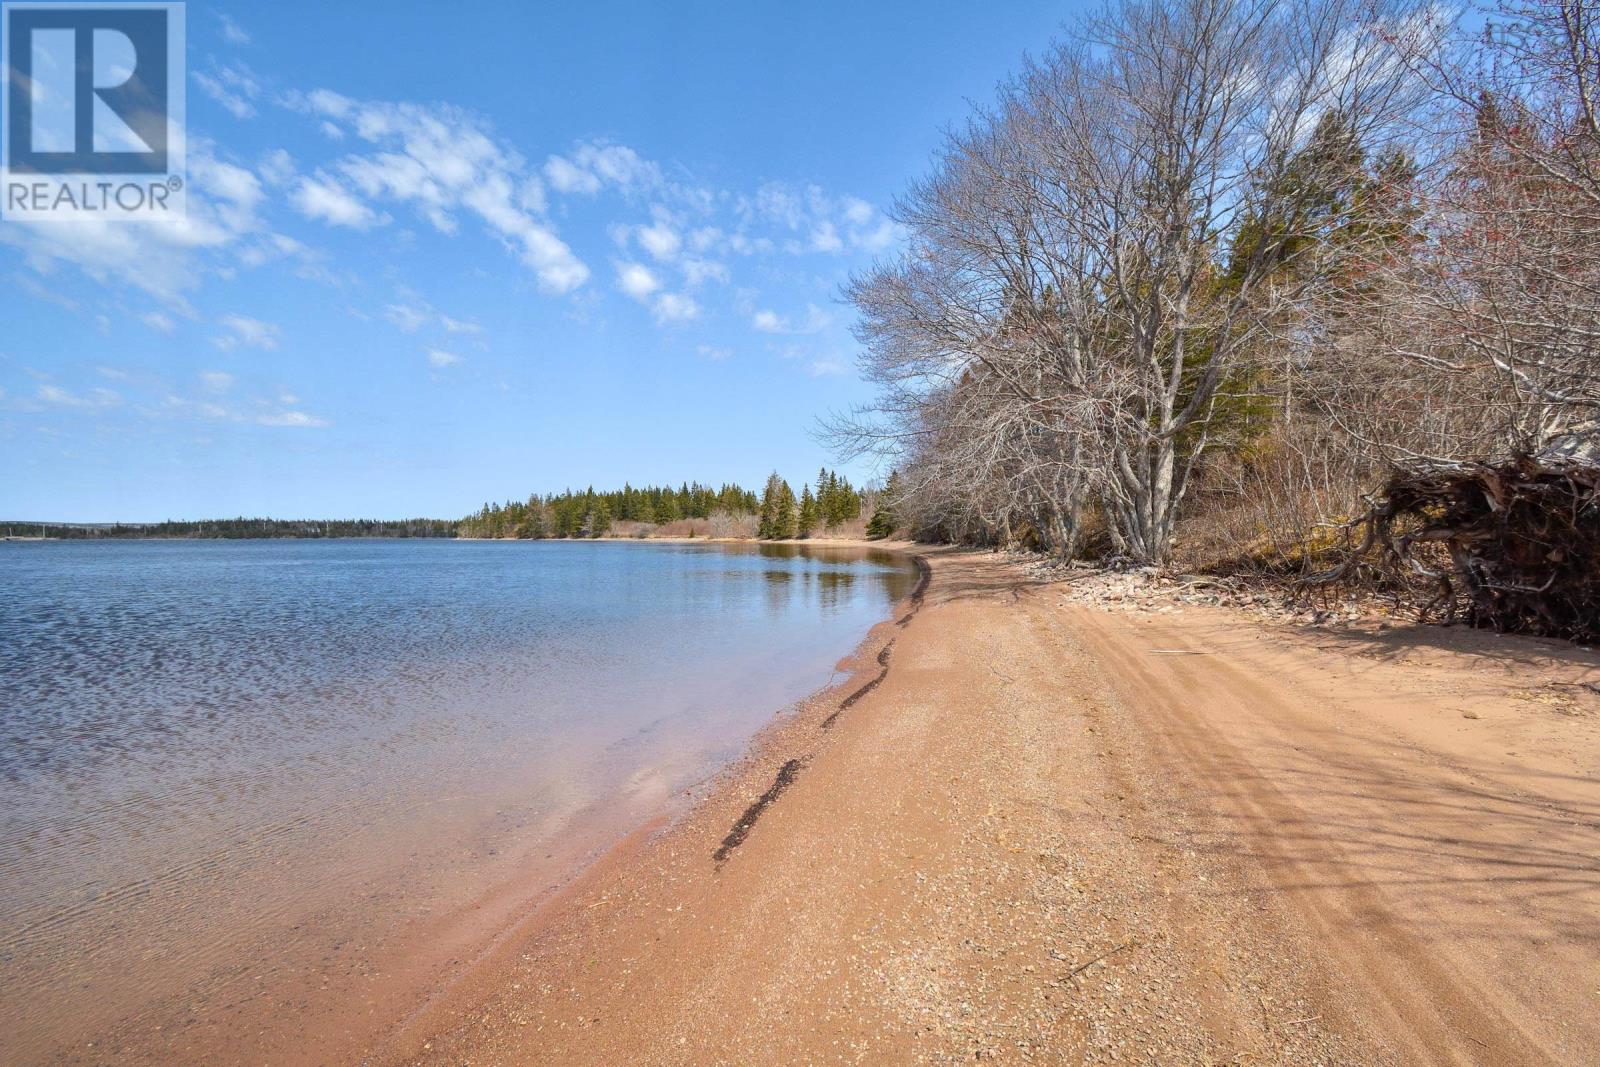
(442, 254)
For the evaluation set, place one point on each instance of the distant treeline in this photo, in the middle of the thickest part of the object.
(591, 514)
(239, 528)
(696, 510)
(594, 514)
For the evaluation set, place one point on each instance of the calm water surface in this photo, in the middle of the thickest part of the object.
(245, 784)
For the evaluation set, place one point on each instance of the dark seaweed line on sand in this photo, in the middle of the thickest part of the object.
(925, 575)
(791, 770)
(883, 661)
(741, 829)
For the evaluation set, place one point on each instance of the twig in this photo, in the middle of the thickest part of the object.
(1080, 968)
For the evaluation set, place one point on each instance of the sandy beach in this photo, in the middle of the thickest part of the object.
(1027, 830)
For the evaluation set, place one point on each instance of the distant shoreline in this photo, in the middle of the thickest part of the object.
(605, 539)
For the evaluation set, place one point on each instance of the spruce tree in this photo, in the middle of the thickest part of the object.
(807, 521)
(770, 497)
(785, 522)
(883, 521)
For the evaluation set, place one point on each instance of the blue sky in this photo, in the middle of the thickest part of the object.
(438, 254)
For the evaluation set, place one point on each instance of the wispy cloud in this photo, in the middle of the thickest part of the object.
(438, 357)
(644, 285)
(593, 165)
(411, 314)
(408, 318)
(164, 259)
(461, 326)
(323, 198)
(234, 86)
(441, 161)
(93, 399)
(248, 332)
(768, 321)
(232, 32)
(291, 419)
(675, 307)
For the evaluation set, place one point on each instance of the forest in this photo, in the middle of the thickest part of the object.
(1303, 287)
(828, 504)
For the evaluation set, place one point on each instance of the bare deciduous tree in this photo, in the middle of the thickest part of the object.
(1096, 263)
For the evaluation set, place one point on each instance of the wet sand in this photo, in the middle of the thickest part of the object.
(1027, 830)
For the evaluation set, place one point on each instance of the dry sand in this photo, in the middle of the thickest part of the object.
(1055, 833)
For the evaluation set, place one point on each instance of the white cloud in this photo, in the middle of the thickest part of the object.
(411, 314)
(879, 237)
(234, 87)
(93, 399)
(769, 321)
(232, 32)
(821, 223)
(158, 322)
(699, 271)
(243, 330)
(659, 239)
(459, 325)
(329, 103)
(643, 285)
(716, 355)
(238, 190)
(323, 198)
(825, 238)
(826, 368)
(637, 280)
(216, 381)
(163, 259)
(277, 167)
(440, 161)
(594, 164)
(291, 418)
(440, 358)
(567, 177)
(675, 307)
(408, 318)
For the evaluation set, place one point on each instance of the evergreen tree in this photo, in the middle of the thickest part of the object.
(883, 521)
(767, 520)
(807, 521)
(589, 513)
(786, 521)
(599, 518)
(778, 520)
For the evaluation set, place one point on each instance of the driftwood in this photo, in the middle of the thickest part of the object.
(1513, 545)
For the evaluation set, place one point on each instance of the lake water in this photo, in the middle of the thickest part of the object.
(256, 792)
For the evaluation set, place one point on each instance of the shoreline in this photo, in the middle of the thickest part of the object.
(853, 675)
(989, 853)
(398, 989)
